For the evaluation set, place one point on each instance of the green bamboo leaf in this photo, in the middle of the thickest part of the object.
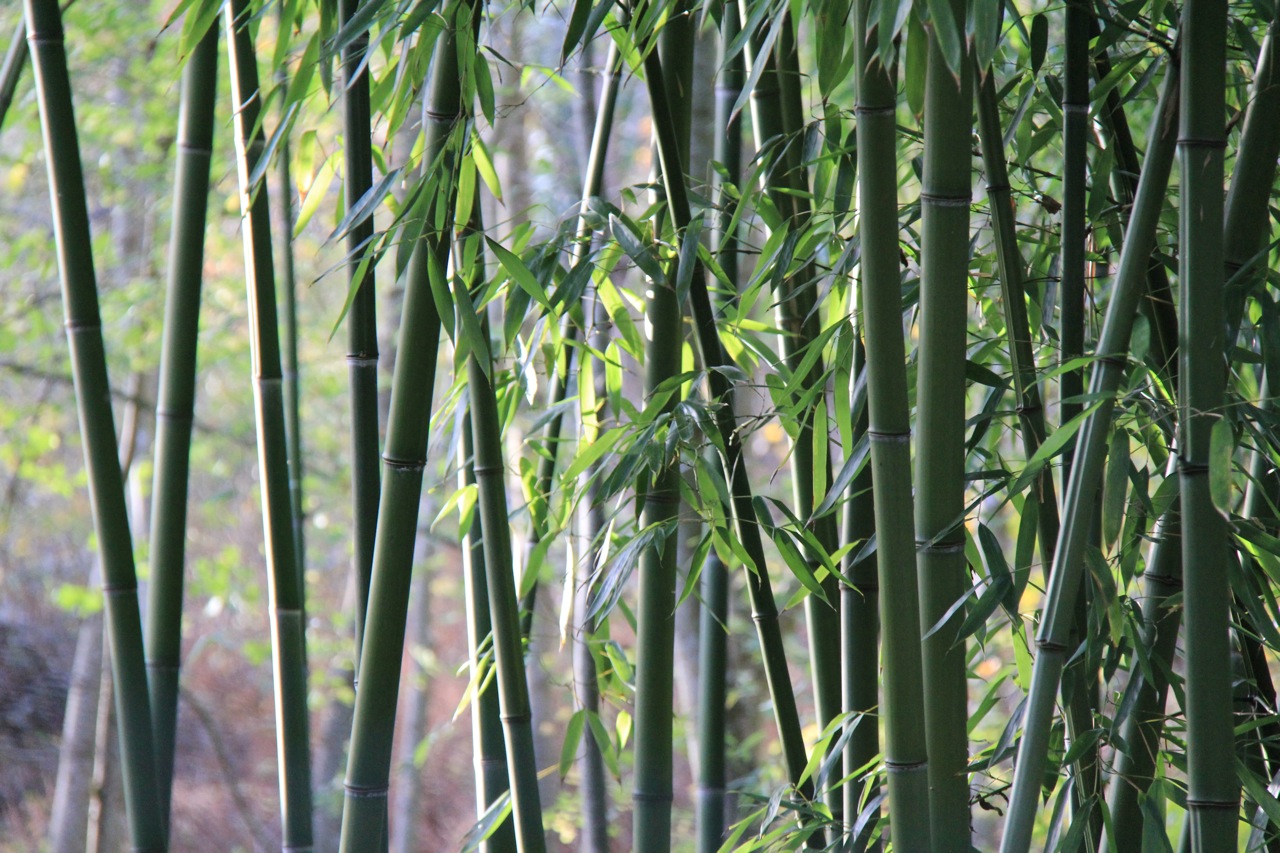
(1115, 487)
(572, 737)
(519, 273)
(997, 568)
(484, 164)
(984, 31)
(947, 32)
(1221, 449)
(1039, 41)
(494, 816)
(1052, 446)
(916, 64)
(484, 86)
(639, 253)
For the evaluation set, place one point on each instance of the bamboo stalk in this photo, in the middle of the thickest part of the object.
(713, 628)
(940, 395)
(764, 612)
(285, 592)
(504, 614)
(776, 120)
(1086, 474)
(362, 327)
(176, 403)
(1213, 788)
(97, 426)
(888, 431)
(404, 458)
(652, 790)
(488, 750)
(289, 349)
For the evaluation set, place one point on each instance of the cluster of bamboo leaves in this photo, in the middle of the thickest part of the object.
(1020, 363)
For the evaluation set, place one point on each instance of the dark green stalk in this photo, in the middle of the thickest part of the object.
(594, 782)
(486, 717)
(404, 459)
(713, 629)
(1158, 307)
(11, 69)
(176, 403)
(504, 614)
(889, 435)
(655, 615)
(1075, 130)
(362, 324)
(776, 119)
(1086, 474)
(1140, 733)
(764, 611)
(943, 576)
(97, 426)
(1213, 789)
(859, 638)
(286, 595)
(289, 349)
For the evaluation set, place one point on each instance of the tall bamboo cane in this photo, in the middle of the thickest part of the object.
(488, 749)
(97, 426)
(1213, 788)
(655, 617)
(404, 457)
(712, 641)
(504, 614)
(176, 403)
(776, 120)
(940, 394)
(1086, 474)
(764, 611)
(362, 327)
(889, 434)
(289, 330)
(286, 595)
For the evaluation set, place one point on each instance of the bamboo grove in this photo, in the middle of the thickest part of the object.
(935, 387)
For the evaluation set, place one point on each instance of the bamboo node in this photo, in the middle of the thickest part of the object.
(88, 324)
(1201, 142)
(298, 848)
(487, 470)
(928, 546)
(894, 437)
(187, 148)
(1075, 109)
(1187, 468)
(874, 111)
(939, 200)
(1048, 645)
(1212, 804)
(403, 464)
(366, 792)
(362, 360)
(127, 588)
(905, 766)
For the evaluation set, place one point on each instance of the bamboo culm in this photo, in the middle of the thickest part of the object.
(97, 425)
(1213, 789)
(764, 611)
(889, 434)
(286, 597)
(713, 640)
(404, 459)
(176, 403)
(362, 327)
(940, 396)
(655, 616)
